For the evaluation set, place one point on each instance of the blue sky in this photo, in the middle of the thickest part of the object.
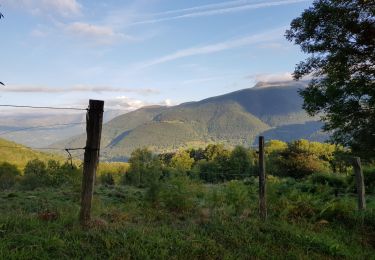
(141, 52)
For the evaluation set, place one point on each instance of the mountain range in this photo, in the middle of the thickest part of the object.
(270, 109)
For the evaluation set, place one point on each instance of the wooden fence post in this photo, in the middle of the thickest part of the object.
(262, 180)
(360, 183)
(94, 121)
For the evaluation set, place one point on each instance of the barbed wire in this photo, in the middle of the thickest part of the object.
(45, 107)
(68, 150)
(42, 148)
(40, 127)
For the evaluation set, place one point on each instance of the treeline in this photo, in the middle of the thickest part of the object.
(37, 173)
(321, 162)
(52, 173)
(216, 163)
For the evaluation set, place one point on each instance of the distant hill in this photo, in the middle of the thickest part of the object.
(272, 109)
(19, 155)
(25, 127)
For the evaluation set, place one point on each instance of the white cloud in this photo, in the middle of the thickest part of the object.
(99, 33)
(168, 102)
(124, 103)
(213, 48)
(273, 77)
(47, 7)
(214, 9)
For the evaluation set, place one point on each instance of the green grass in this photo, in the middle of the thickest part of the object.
(220, 222)
(19, 155)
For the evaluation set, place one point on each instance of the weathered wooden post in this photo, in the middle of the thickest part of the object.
(360, 183)
(262, 180)
(94, 121)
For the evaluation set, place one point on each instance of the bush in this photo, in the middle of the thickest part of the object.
(236, 195)
(330, 180)
(302, 158)
(64, 174)
(8, 175)
(144, 168)
(369, 177)
(37, 174)
(116, 169)
(182, 161)
(36, 167)
(210, 171)
(240, 163)
(299, 165)
(107, 179)
(177, 194)
(275, 146)
(153, 191)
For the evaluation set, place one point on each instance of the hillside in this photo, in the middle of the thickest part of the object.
(274, 110)
(19, 155)
(23, 126)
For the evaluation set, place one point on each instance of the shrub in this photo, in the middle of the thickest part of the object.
(369, 177)
(215, 151)
(210, 171)
(182, 161)
(177, 194)
(8, 175)
(36, 167)
(369, 180)
(299, 165)
(107, 179)
(70, 174)
(339, 211)
(116, 169)
(329, 179)
(35, 175)
(144, 168)
(63, 174)
(153, 191)
(236, 195)
(302, 158)
(274, 146)
(240, 163)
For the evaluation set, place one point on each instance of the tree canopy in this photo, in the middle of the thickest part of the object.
(144, 168)
(340, 38)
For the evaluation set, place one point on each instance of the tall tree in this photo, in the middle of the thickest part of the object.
(339, 35)
(144, 168)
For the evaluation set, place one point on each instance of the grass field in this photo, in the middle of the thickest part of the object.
(209, 222)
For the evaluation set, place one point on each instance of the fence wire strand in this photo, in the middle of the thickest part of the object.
(46, 107)
(49, 127)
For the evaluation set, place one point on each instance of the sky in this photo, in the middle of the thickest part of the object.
(141, 52)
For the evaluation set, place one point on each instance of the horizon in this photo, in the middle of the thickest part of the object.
(70, 51)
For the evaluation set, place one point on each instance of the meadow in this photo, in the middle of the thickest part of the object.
(183, 213)
(190, 220)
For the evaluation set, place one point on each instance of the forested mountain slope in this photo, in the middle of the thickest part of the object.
(273, 109)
